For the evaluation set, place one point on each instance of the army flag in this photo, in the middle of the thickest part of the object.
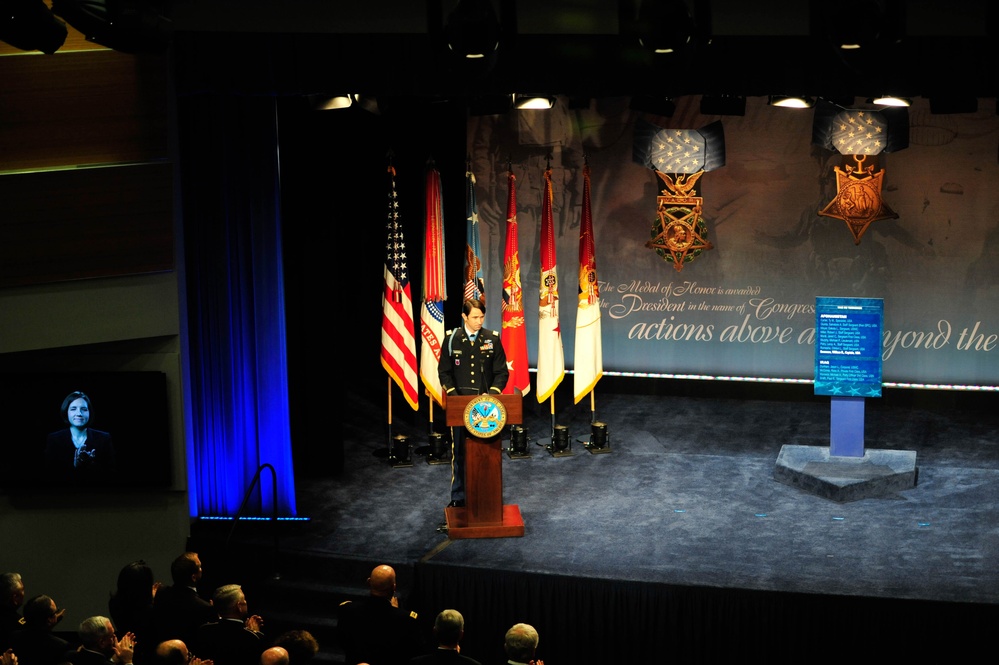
(514, 332)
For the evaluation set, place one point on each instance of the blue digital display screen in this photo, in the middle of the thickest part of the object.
(848, 334)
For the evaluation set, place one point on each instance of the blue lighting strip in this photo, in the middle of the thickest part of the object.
(223, 518)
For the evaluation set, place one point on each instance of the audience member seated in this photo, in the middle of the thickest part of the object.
(520, 644)
(375, 630)
(301, 646)
(11, 597)
(174, 652)
(35, 644)
(178, 610)
(449, 627)
(99, 645)
(275, 656)
(131, 605)
(235, 639)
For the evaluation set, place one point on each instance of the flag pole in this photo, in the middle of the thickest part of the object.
(388, 447)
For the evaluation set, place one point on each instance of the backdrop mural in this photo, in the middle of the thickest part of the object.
(745, 307)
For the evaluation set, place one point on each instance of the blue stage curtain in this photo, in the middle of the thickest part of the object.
(236, 358)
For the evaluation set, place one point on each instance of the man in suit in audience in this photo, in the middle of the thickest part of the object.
(174, 652)
(178, 610)
(35, 644)
(374, 629)
(99, 646)
(11, 597)
(520, 644)
(449, 627)
(235, 639)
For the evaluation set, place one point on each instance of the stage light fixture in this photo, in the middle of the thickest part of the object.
(665, 26)
(599, 439)
(791, 101)
(400, 454)
(472, 30)
(723, 105)
(890, 100)
(333, 102)
(518, 442)
(128, 26)
(533, 102)
(30, 26)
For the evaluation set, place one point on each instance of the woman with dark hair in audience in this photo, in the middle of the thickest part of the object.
(131, 605)
(79, 450)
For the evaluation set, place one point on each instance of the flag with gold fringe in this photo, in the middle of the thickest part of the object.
(398, 337)
(551, 361)
(514, 332)
(588, 362)
(474, 285)
(434, 288)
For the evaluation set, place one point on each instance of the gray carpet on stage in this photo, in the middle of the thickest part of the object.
(687, 495)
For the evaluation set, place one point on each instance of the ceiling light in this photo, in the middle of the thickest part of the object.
(791, 101)
(891, 100)
(533, 102)
(333, 102)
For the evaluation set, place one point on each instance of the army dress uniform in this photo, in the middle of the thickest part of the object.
(469, 367)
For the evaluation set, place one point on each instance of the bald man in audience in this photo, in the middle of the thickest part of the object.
(275, 656)
(374, 629)
(174, 652)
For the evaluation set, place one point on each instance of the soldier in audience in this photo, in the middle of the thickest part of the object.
(374, 629)
(236, 638)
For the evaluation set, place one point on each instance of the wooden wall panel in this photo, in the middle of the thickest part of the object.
(85, 107)
(82, 223)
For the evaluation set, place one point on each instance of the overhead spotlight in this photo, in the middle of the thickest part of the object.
(665, 26)
(533, 102)
(129, 26)
(472, 30)
(30, 26)
(333, 102)
(656, 105)
(864, 26)
(791, 101)
(723, 105)
(890, 100)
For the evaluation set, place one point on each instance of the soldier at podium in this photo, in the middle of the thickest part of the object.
(472, 363)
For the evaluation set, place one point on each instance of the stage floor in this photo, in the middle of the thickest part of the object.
(687, 496)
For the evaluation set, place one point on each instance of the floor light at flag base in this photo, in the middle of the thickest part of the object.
(438, 451)
(400, 454)
(561, 445)
(518, 443)
(599, 439)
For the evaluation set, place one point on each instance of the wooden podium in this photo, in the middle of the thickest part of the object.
(484, 515)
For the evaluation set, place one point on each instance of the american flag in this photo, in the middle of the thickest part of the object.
(398, 339)
(474, 286)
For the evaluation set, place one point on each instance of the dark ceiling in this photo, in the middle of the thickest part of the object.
(591, 48)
